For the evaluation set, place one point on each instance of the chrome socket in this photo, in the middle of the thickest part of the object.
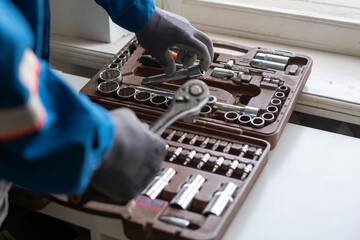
(267, 64)
(231, 117)
(232, 168)
(114, 66)
(284, 89)
(156, 186)
(252, 111)
(272, 58)
(221, 199)
(119, 61)
(127, 54)
(203, 160)
(158, 100)
(268, 117)
(272, 109)
(257, 154)
(218, 164)
(142, 97)
(189, 157)
(205, 111)
(187, 193)
(280, 95)
(126, 93)
(108, 88)
(257, 122)
(110, 74)
(276, 102)
(244, 120)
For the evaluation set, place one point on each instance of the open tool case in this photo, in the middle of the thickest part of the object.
(225, 150)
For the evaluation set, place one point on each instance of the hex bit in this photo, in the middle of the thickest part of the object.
(257, 154)
(232, 168)
(205, 142)
(203, 160)
(175, 154)
(247, 171)
(216, 145)
(227, 148)
(193, 140)
(171, 135)
(182, 138)
(218, 164)
(189, 157)
(244, 150)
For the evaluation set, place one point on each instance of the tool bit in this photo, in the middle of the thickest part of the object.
(187, 193)
(171, 135)
(218, 164)
(247, 171)
(154, 189)
(187, 102)
(193, 140)
(232, 168)
(204, 158)
(189, 157)
(221, 199)
(230, 64)
(191, 72)
(257, 154)
(227, 148)
(216, 145)
(175, 154)
(247, 110)
(205, 142)
(179, 222)
(272, 58)
(181, 139)
(244, 150)
(235, 76)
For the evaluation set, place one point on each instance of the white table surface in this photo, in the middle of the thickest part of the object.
(310, 189)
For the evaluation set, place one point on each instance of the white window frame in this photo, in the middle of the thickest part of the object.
(272, 25)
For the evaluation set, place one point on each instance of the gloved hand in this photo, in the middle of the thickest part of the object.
(165, 30)
(134, 158)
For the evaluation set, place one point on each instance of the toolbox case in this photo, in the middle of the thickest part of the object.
(143, 217)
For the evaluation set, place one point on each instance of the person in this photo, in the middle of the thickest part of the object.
(53, 140)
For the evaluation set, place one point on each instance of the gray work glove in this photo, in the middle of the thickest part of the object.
(165, 30)
(134, 158)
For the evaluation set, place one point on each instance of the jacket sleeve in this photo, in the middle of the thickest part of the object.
(51, 139)
(129, 14)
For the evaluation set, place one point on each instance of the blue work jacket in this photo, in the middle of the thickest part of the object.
(51, 138)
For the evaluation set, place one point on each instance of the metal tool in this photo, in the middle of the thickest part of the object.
(191, 72)
(272, 109)
(155, 187)
(175, 154)
(231, 64)
(244, 150)
(187, 193)
(126, 93)
(203, 160)
(218, 164)
(227, 148)
(247, 171)
(273, 81)
(252, 111)
(157, 92)
(171, 135)
(267, 64)
(187, 102)
(231, 117)
(221, 199)
(244, 120)
(235, 76)
(193, 140)
(110, 74)
(232, 168)
(108, 88)
(205, 142)
(272, 58)
(182, 138)
(268, 117)
(179, 222)
(257, 154)
(189, 157)
(216, 145)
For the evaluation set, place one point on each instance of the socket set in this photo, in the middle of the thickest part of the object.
(212, 163)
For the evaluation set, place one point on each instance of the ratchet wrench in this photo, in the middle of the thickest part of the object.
(187, 102)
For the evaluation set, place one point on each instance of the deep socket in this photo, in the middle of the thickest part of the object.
(187, 193)
(221, 199)
(155, 187)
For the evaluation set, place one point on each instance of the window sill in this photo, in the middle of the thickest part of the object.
(332, 90)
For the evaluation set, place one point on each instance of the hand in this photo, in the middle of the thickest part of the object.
(165, 30)
(133, 160)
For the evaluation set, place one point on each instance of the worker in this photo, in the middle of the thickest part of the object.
(53, 140)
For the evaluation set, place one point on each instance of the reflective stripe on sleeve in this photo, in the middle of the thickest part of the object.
(22, 120)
